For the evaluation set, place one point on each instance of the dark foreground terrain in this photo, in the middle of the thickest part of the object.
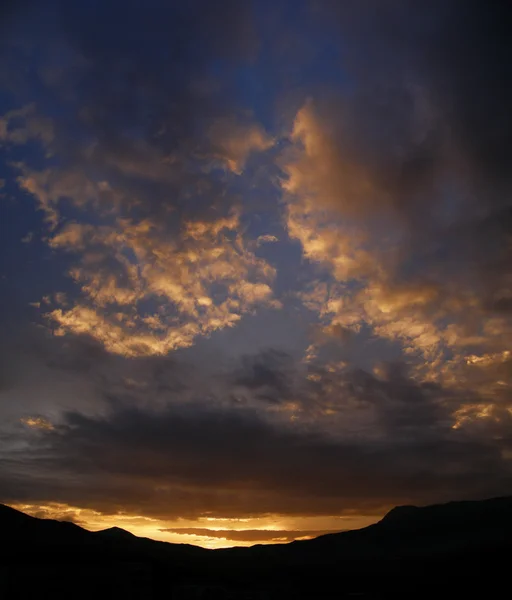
(455, 550)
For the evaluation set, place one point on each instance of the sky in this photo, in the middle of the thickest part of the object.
(255, 262)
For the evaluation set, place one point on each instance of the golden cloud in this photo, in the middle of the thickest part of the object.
(269, 536)
(234, 141)
(37, 423)
(134, 262)
(266, 239)
(348, 227)
(51, 186)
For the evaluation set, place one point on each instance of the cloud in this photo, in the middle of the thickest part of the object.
(266, 239)
(395, 195)
(52, 186)
(160, 253)
(235, 141)
(132, 263)
(53, 511)
(249, 535)
(18, 126)
(357, 444)
(270, 374)
(37, 423)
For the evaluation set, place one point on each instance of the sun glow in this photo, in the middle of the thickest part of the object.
(207, 532)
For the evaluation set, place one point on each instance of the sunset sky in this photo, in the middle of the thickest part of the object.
(255, 262)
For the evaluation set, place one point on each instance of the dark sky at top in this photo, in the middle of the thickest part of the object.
(255, 260)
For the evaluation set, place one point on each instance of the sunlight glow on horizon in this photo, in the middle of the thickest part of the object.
(152, 527)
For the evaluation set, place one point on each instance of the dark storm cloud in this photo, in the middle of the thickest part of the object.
(269, 374)
(117, 381)
(137, 88)
(405, 407)
(152, 89)
(78, 354)
(460, 51)
(428, 118)
(194, 460)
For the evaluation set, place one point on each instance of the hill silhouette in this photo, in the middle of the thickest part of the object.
(460, 546)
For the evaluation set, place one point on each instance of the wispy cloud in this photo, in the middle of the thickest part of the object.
(249, 535)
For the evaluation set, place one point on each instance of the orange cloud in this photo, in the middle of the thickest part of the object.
(270, 536)
(266, 239)
(348, 225)
(178, 275)
(234, 141)
(37, 423)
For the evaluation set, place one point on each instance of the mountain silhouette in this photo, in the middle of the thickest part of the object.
(115, 532)
(460, 546)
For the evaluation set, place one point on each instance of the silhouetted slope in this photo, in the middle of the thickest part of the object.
(116, 533)
(17, 527)
(431, 543)
(22, 530)
(427, 531)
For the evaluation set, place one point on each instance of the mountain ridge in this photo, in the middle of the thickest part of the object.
(431, 544)
(399, 515)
